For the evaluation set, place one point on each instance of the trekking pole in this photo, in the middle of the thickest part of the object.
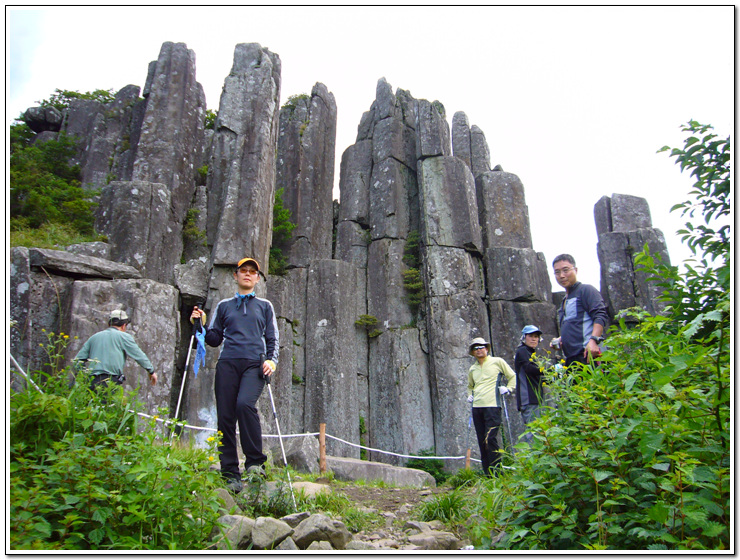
(277, 425)
(196, 328)
(506, 412)
(470, 422)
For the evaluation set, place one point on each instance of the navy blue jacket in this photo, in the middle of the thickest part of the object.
(582, 307)
(528, 378)
(247, 329)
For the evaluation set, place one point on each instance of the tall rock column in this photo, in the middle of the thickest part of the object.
(241, 171)
(306, 144)
(169, 148)
(624, 227)
(305, 172)
(241, 191)
(451, 248)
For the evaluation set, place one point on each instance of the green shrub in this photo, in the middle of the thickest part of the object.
(86, 473)
(435, 467)
(450, 507)
(636, 454)
(282, 232)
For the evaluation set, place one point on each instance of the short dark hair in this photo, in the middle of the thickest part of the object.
(564, 257)
(118, 322)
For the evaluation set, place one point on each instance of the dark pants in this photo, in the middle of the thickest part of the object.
(487, 421)
(104, 378)
(238, 385)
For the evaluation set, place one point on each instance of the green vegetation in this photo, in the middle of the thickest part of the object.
(202, 176)
(435, 467)
(369, 322)
(282, 232)
(87, 473)
(646, 465)
(412, 281)
(46, 199)
(191, 233)
(210, 120)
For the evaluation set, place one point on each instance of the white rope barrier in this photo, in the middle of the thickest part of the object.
(308, 434)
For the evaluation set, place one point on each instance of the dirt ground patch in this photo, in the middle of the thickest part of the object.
(390, 500)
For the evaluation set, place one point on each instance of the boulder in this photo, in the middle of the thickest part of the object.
(319, 527)
(347, 468)
(287, 544)
(236, 536)
(63, 263)
(155, 325)
(191, 279)
(97, 249)
(302, 453)
(41, 119)
(267, 533)
(435, 540)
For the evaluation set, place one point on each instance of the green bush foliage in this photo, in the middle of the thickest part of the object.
(282, 233)
(86, 473)
(635, 454)
(435, 467)
(44, 188)
(61, 98)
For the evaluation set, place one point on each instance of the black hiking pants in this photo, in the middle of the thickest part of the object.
(487, 421)
(238, 385)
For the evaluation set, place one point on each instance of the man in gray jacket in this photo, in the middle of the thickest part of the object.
(105, 352)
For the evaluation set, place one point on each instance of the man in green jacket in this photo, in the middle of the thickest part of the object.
(488, 381)
(105, 352)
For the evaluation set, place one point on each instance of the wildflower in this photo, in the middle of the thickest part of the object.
(211, 458)
(210, 439)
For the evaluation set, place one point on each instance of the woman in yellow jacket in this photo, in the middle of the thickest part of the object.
(488, 380)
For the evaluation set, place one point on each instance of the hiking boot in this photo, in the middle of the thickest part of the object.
(256, 470)
(234, 486)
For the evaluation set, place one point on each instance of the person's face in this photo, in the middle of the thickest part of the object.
(247, 277)
(480, 351)
(565, 273)
(532, 339)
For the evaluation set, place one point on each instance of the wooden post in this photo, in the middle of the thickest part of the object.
(322, 448)
(467, 459)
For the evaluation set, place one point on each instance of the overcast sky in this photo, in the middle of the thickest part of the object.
(574, 100)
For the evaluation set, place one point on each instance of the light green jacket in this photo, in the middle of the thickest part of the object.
(483, 381)
(106, 352)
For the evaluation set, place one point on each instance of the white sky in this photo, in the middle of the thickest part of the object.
(574, 100)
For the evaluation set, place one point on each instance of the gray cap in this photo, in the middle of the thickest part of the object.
(118, 315)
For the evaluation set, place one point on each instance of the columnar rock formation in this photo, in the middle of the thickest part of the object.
(624, 227)
(431, 248)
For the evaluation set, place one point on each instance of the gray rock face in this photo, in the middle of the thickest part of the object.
(91, 249)
(236, 536)
(503, 211)
(517, 274)
(154, 325)
(241, 178)
(302, 453)
(448, 204)
(172, 136)
(41, 119)
(432, 130)
(469, 144)
(399, 381)
(624, 226)
(191, 279)
(507, 320)
(331, 383)
(306, 145)
(138, 221)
